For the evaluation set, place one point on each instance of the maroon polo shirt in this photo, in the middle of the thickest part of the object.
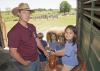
(24, 40)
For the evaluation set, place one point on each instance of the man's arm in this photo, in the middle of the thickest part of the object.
(40, 46)
(16, 55)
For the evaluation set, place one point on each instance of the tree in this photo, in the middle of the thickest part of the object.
(65, 7)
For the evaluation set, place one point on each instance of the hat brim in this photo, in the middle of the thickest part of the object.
(27, 10)
(16, 10)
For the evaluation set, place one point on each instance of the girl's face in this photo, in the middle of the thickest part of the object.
(69, 34)
(61, 40)
(53, 37)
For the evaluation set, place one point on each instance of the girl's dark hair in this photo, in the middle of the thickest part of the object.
(40, 35)
(73, 28)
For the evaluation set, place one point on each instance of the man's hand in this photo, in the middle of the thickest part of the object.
(26, 63)
(13, 52)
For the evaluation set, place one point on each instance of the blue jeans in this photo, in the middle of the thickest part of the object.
(34, 66)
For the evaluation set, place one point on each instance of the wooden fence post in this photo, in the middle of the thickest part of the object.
(3, 32)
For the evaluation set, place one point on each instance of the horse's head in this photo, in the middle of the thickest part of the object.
(52, 61)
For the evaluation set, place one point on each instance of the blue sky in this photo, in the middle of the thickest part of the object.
(53, 4)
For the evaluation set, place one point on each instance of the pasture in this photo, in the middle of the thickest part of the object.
(42, 23)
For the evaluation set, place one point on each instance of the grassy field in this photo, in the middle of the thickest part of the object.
(45, 24)
(42, 25)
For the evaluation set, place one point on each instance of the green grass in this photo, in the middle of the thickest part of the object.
(45, 24)
(42, 25)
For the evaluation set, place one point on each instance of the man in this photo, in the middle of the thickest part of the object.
(23, 41)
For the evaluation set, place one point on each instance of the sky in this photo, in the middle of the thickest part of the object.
(34, 4)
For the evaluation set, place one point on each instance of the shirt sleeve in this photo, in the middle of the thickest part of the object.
(68, 50)
(13, 40)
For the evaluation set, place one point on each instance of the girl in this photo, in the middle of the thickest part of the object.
(42, 57)
(61, 41)
(61, 44)
(53, 44)
(69, 57)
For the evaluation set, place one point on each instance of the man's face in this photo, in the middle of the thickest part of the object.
(24, 15)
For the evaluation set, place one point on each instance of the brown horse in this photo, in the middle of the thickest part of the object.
(53, 66)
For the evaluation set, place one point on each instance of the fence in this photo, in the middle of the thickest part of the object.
(88, 24)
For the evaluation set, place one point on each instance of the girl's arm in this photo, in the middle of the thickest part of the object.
(59, 52)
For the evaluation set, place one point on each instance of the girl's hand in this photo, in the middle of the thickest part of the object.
(52, 53)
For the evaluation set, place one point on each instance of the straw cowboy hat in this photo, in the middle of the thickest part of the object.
(22, 6)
